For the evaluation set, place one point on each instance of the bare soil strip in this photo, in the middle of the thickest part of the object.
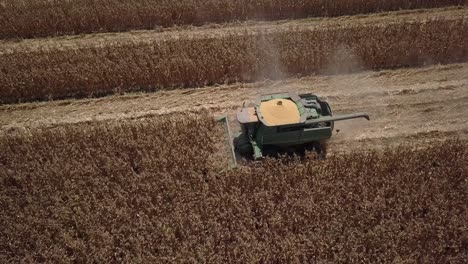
(100, 64)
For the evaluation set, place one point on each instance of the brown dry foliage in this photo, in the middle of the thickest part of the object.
(186, 61)
(146, 192)
(41, 18)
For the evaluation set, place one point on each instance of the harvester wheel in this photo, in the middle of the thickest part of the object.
(319, 148)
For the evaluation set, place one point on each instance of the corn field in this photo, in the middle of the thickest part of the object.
(212, 57)
(151, 191)
(150, 182)
(42, 18)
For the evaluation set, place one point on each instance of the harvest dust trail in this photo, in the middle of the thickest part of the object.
(421, 102)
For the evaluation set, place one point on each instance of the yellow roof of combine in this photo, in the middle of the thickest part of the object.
(280, 112)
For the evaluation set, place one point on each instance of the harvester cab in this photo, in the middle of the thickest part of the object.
(283, 122)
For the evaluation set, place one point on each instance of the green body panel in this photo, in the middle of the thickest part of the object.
(290, 136)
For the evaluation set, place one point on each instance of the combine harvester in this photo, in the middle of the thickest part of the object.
(283, 123)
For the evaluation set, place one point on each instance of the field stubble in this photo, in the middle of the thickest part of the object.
(146, 191)
(69, 68)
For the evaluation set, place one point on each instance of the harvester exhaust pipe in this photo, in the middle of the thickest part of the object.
(337, 118)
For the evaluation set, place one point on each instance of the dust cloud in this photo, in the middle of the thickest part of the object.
(341, 82)
(345, 61)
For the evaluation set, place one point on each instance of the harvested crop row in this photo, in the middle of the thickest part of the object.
(40, 18)
(149, 192)
(71, 68)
